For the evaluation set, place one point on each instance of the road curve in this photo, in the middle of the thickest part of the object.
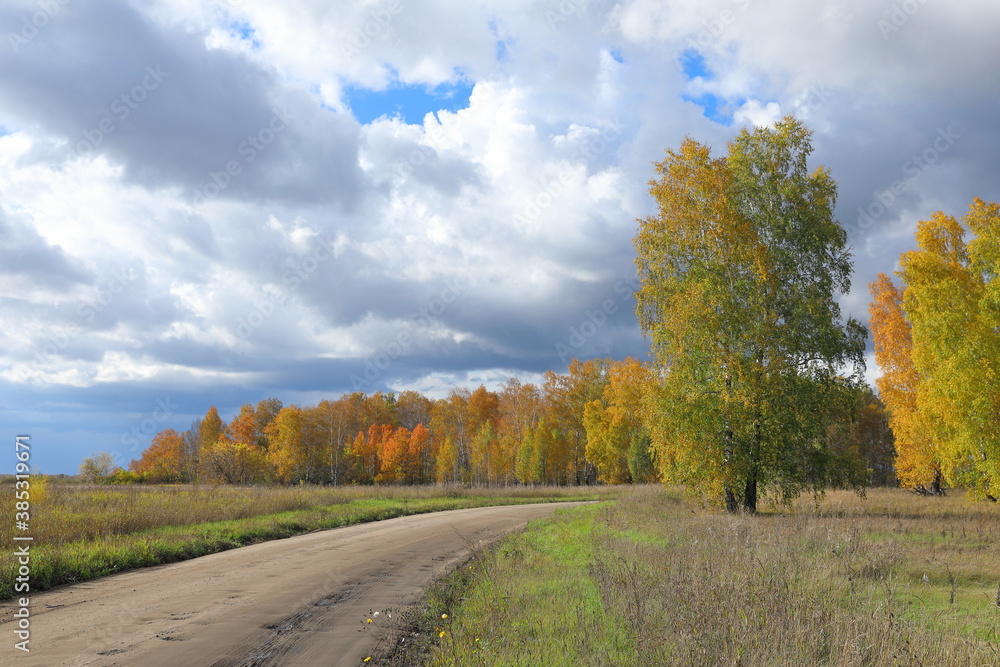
(297, 601)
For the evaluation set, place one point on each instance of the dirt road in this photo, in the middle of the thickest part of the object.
(299, 601)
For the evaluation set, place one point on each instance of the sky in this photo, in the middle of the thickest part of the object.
(208, 202)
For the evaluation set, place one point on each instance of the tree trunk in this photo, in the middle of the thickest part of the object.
(731, 505)
(936, 489)
(750, 495)
(750, 489)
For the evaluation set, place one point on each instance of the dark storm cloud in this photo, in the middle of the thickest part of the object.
(32, 261)
(110, 80)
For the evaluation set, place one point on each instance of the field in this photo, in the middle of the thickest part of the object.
(894, 579)
(82, 532)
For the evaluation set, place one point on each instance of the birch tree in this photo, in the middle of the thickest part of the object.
(739, 272)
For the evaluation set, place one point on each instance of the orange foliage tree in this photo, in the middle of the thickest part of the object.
(917, 465)
(395, 466)
(236, 458)
(421, 456)
(164, 460)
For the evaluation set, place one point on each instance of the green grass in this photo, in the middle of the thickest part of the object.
(85, 532)
(540, 595)
(531, 601)
(654, 579)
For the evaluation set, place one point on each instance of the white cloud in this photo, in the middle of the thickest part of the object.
(753, 112)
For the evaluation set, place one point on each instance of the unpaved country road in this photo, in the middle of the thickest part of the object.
(298, 601)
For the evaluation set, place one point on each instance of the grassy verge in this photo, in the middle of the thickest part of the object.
(526, 602)
(83, 533)
(653, 579)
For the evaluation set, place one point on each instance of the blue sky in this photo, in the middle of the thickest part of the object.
(209, 203)
(409, 102)
(716, 108)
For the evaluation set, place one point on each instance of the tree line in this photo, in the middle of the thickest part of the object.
(576, 428)
(581, 427)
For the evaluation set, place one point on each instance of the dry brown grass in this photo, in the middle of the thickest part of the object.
(835, 583)
(68, 513)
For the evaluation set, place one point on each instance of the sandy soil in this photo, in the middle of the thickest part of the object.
(299, 601)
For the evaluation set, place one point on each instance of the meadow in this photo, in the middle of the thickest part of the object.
(81, 532)
(653, 578)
